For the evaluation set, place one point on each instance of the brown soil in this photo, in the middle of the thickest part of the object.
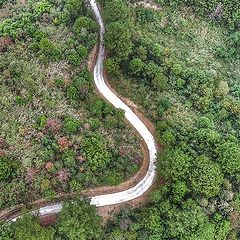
(48, 220)
(92, 58)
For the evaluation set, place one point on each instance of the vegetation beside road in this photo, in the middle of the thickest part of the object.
(57, 135)
(179, 61)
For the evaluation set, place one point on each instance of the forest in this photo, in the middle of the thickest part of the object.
(179, 62)
(57, 136)
(181, 66)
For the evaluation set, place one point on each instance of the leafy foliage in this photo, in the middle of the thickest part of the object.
(118, 40)
(174, 164)
(206, 177)
(48, 105)
(5, 168)
(228, 154)
(227, 12)
(29, 227)
(182, 71)
(116, 11)
(95, 152)
(72, 225)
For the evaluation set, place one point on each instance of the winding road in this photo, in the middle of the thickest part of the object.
(141, 187)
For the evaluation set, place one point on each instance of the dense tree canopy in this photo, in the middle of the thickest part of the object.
(174, 164)
(205, 176)
(28, 227)
(183, 75)
(118, 40)
(78, 220)
(116, 10)
(228, 154)
(97, 157)
(49, 106)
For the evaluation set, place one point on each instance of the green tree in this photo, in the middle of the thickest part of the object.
(141, 52)
(82, 85)
(179, 190)
(74, 7)
(71, 125)
(28, 227)
(79, 220)
(222, 90)
(160, 81)
(113, 67)
(152, 223)
(136, 66)
(84, 23)
(190, 222)
(6, 231)
(94, 150)
(168, 221)
(97, 108)
(118, 40)
(206, 139)
(228, 155)
(5, 168)
(116, 10)
(205, 177)
(49, 50)
(41, 7)
(122, 235)
(152, 70)
(174, 164)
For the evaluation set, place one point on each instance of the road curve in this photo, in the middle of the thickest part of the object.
(147, 181)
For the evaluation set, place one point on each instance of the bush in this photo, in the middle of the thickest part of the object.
(145, 15)
(205, 177)
(160, 82)
(226, 12)
(136, 67)
(50, 143)
(73, 9)
(5, 168)
(6, 231)
(82, 85)
(84, 23)
(94, 149)
(28, 227)
(72, 93)
(49, 50)
(118, 40)
(174, 164)
(97, 108)
(69, 158)
(72, 225)
(112, 67)
(59, 82)
(163, 106)
(116, 10)
(41, 122)
(71, 125)
(228, 155)
(82, 51)
(74, 58)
